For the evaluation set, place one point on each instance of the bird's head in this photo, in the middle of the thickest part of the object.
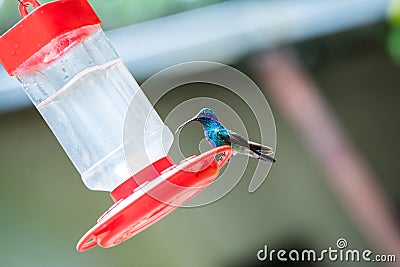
(204, 114)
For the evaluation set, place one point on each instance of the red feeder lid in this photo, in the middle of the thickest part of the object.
(46, 33)
(152, 194)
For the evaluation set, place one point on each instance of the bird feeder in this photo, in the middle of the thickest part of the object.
(78, 83)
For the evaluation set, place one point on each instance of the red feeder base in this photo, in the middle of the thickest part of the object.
(151, 194)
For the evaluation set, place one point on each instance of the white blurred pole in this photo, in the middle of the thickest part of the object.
(222, 32)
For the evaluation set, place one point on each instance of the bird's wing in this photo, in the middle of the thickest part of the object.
(237, 139)
(238, 144)
(242, 146)
(266, 150)
(241, 141)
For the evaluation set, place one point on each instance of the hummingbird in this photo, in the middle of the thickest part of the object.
(218, 135)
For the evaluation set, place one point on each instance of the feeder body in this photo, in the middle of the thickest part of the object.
(83, 95)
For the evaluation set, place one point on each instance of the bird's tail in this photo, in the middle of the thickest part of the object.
(266, 158)
(262, 151)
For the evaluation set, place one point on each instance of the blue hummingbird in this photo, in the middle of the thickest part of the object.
(217, 135)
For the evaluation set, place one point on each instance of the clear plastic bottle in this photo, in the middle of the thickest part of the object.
(83, 91)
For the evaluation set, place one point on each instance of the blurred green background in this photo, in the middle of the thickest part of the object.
(45, 208)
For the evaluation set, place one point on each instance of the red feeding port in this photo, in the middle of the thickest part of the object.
(152, 194)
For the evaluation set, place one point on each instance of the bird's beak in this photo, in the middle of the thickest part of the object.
(184, 124)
